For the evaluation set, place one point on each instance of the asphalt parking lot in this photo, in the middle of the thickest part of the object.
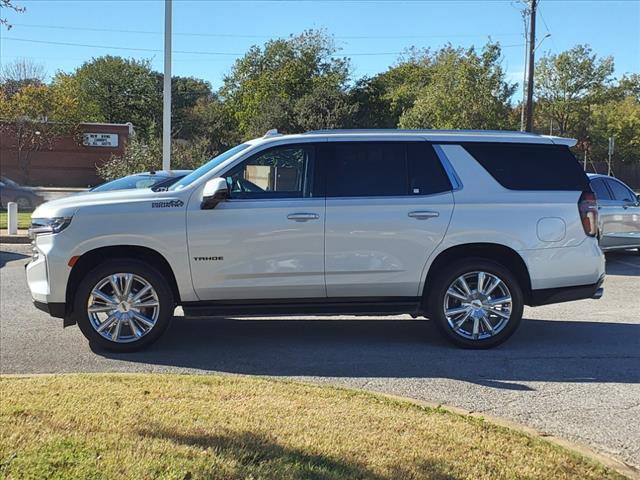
(572, 370)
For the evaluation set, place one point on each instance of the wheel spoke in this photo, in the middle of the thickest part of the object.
(465, 285)
(456, 311)
(137, 331)
(487, 324)
(116, 330)
(104, 297)
(476, 328)
(499, 301)
(145, 304)
(481, 277)
(101, 308)
(114, 280)
(144, 319)
(107, 323)
(128, 280)
(499, 313)
(138, 296)
(458, 325)
(454, 293)
(493, 286)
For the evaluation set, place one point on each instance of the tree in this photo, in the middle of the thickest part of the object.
(20, 73)
(619, 119)
(35, 118)
(9, 4)
(567, 86)
(384, 98)
(465, 90)
(266, 84)
(120, 90)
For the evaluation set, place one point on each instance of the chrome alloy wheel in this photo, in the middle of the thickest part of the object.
(123, 307)
(477, 305)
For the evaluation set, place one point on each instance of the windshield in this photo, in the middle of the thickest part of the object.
(207, 167)
(126, 183)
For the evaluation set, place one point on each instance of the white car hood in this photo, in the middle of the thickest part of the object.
(67, 206)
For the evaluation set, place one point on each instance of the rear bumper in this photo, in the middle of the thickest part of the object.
(566, 294)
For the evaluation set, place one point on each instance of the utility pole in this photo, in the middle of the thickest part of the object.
(531, 64)
(166, 94)
(524, 77)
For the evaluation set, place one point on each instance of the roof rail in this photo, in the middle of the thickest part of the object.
(272, 133)
(418, 130)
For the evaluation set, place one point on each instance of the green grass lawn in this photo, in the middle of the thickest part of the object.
(226, 427)
(24, 220)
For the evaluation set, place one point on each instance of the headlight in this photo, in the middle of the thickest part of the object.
(48, 225)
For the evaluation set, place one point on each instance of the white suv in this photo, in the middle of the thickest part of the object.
(463, 227)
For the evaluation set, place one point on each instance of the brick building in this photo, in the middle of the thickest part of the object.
(68, 163)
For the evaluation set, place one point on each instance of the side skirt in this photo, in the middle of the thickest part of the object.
(298, 306)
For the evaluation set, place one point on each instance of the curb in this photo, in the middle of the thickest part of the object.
(619, 466)
(13, 239)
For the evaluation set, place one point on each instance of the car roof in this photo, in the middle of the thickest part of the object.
(498, 136)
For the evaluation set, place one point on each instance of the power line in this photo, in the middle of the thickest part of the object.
(236, 35)
(192, 52)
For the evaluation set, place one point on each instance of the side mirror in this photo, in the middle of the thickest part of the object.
(215, 191)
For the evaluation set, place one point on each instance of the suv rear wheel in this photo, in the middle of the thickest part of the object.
(476, 303)
(123, 305)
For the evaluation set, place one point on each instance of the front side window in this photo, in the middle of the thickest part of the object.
(620, 192)
(280, 172)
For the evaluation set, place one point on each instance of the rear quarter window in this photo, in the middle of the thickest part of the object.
(530, 166)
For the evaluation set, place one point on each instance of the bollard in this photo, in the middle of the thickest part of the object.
(12, 218)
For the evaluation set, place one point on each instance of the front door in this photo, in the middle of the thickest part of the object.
(267, 240)
(388, 207)
(621, 217)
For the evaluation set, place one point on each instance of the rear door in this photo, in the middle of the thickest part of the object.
(388, 207)
(623, 227)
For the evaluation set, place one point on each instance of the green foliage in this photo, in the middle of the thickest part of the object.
(567, 86)
(465, 90)
(143, 155)
(620, 119)
(272, 87)
(120, 90)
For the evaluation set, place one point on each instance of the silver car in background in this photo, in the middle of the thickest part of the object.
(618, 213)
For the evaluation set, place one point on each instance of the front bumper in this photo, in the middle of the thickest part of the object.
(57, 310)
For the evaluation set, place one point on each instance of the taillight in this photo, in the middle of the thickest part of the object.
(588, 213)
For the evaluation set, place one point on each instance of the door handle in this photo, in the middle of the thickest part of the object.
(423, 214)
(303, 217)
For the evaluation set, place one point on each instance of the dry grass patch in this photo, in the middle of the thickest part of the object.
(219, 427)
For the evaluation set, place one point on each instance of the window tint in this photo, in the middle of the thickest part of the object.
(600, 189)
(530, 166)
(426, 174)
(280, 172)
(620, 192)
(357, 169)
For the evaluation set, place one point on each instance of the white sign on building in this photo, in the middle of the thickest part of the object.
(100, 140)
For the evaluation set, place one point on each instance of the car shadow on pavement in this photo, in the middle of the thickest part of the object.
(623, 263)
(6, 257)
(541, 350)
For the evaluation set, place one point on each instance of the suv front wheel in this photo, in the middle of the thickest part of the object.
(476, 303)
(123, 305)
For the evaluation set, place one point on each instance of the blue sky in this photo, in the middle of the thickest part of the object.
(372, 32)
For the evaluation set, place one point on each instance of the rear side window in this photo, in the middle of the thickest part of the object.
(530, 166)
(358, 169)
(600, 189)
(620, 192)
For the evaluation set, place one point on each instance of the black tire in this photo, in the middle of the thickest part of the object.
(140, 269)
(435, 299)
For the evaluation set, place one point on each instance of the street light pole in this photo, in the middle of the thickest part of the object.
(166, 94)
